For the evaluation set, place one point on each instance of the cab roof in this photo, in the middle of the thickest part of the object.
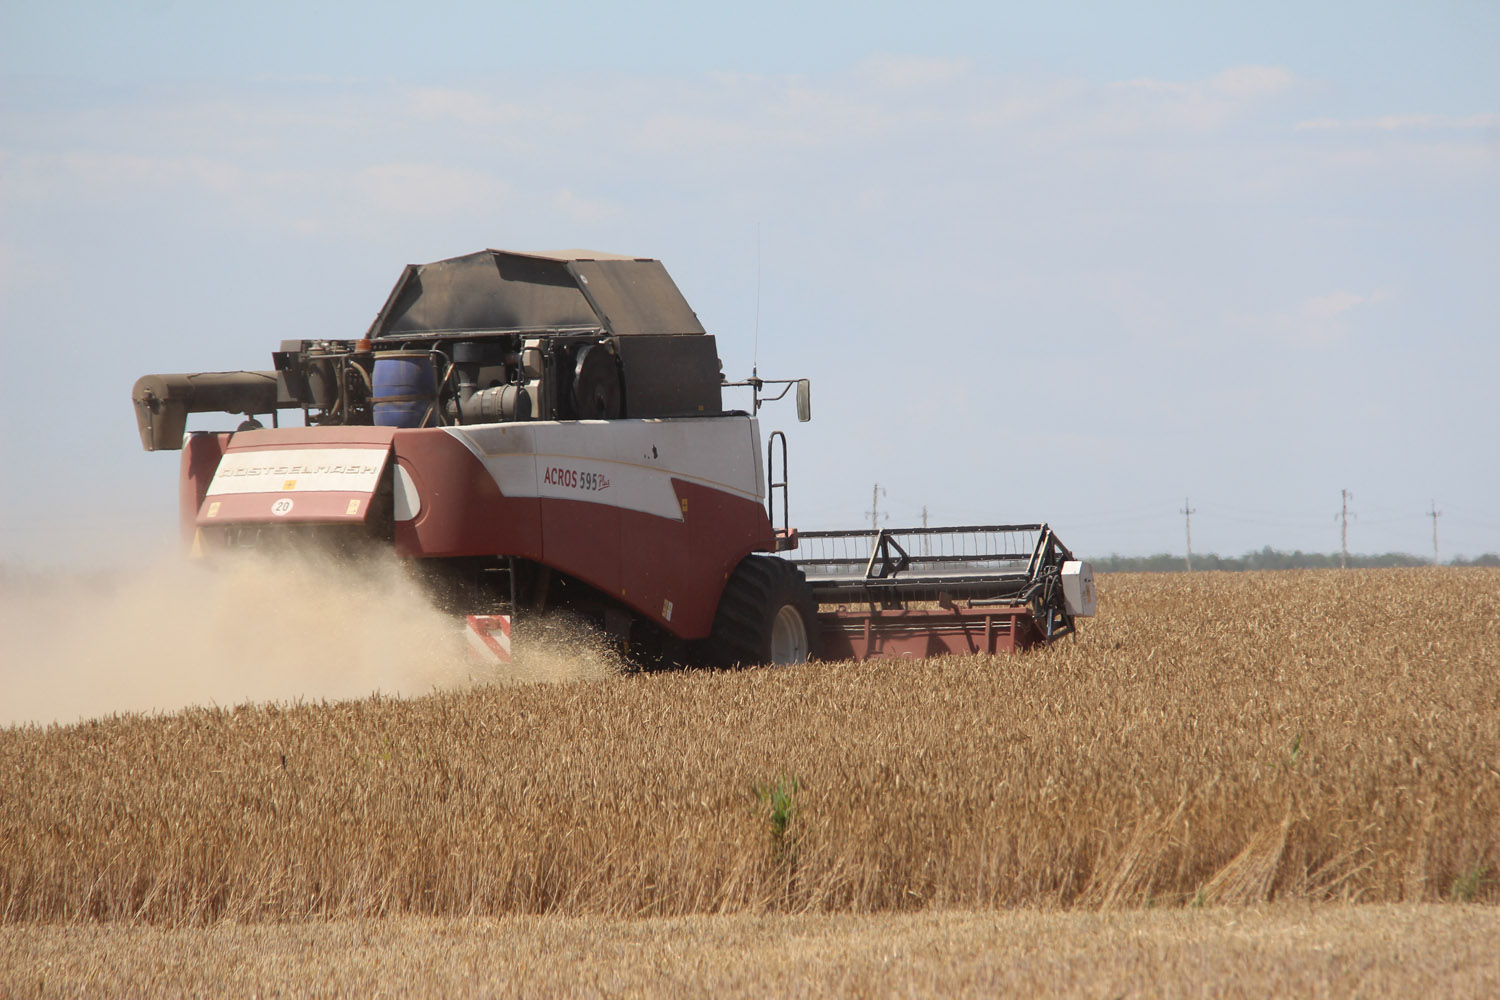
(510, 291)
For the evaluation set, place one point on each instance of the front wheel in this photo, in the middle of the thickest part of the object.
(767, 614)
(790, 642)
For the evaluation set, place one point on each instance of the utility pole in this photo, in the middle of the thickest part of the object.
(1344, 529)
(874, 511)
(1187, 512)
(926, 542)
(1434, 513)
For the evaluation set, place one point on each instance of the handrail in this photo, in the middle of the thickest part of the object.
(772, 485)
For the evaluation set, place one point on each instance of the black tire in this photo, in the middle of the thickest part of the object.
(766, 614)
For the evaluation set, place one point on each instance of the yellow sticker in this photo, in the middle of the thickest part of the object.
(684, 505)
(213, 509)
(353, 507)
(290, 484)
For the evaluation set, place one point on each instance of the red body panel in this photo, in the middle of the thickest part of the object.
(462, 510)
(862, 635)
(669, 571)
(688, 562)
(200, 458)
(332, 507)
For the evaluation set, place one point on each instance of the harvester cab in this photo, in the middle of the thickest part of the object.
(547, 430)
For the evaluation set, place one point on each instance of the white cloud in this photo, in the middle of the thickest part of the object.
(1326, 318)
(1151, 105)
(1401, 123)
(1320, 320)
(911, 72)
(675, 131)
(1017, 103)
(59, 172)
(429, 189)
(886, 125)
(466, 106)
(1252, 82)
(891, 98)
(585, 209)
(1322, 308)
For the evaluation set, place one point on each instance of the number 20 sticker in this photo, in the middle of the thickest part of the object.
(282, 507)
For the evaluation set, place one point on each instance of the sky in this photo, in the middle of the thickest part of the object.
(1080, 263)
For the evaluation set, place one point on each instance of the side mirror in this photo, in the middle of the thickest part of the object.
(804, 400)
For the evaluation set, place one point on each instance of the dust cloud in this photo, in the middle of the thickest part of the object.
(253, 628)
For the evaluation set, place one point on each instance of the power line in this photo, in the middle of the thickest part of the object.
(874, 512)
(1434, 513)
(1188, 513)
(1343, 518)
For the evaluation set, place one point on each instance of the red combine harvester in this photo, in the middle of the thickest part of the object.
(546, 430)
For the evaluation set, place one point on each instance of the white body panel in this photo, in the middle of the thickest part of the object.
(629, 464)
(1078, 589)
(299, 470)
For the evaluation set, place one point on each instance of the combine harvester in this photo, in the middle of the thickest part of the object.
(537, 431)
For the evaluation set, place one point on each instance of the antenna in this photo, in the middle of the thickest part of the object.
(1434, 513)
(755, 353)
(1188, 512)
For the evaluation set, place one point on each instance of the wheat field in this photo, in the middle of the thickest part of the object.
(1280, 950)
(1208, 739)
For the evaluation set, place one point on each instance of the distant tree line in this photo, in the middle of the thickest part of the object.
(1269, 558)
